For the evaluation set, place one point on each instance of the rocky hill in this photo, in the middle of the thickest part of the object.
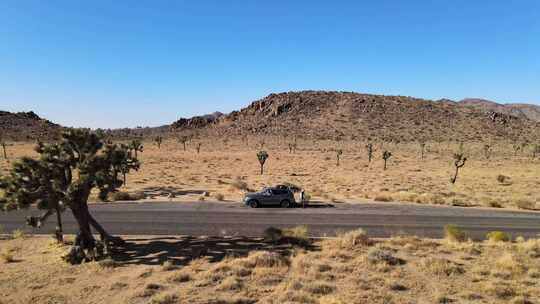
(26, 126)
(331, 115)
(516, 109)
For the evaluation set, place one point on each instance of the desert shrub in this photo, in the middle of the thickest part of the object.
(404, 196)
(351, 239)
(165, 299)
(266, 259)
(498, 236)
(382, 197)
(523, 203)
(180, 277)
(378, 255)
(218, 196)
(320, 288)
(440, 266)
(168, 266)
(490, 202)
(458, 202)
(454, 233)
(7, 257)
(500, 290)
(510, 262)
(297, 235)
(230, 283)
(239, 185)
(18, 234)
(428, 198)
(504, 180)
(273, 234)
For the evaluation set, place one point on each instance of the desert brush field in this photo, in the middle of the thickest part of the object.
(284, 267)
(226, 168)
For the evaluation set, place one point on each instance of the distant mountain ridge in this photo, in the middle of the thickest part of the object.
(522, 110)
(331, 115)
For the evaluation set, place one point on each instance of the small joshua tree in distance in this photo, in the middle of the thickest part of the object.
(3, 144)
(370, 150)
(339, 152)
(292, 147)
(262, 156)
(136, 146)
(459, 162)
(198, 147)
(183, 140)
(535, 151)
(158, 140)
(386, 156)
(487, 151)
(422, 149)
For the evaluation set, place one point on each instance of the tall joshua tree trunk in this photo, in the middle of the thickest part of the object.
(59, 233)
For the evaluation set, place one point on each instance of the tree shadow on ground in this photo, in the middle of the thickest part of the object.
(181, 250)
(153, 192)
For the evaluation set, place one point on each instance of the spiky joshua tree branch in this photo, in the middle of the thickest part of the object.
(459, 162)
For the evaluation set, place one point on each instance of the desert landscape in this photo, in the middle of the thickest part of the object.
(269, 152)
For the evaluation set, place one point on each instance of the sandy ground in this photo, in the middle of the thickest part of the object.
(349, 269)
(224, 169)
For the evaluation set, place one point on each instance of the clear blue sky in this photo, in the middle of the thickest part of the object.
(128, 63)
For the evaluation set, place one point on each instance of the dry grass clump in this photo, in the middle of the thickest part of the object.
(298, 235)
(219, 196)
(498, 236)
(180, 277)
(349, 240)
(454, 234)
(7, 256)
(239, 184)
(525, 203)
(266, 259)
(379, 255)
(168, 266)
(382, 197)
(510, 262)
(429, 198)
(165, 299)
(500, 290)
(18, 234)
(442, 267)
(230, 283)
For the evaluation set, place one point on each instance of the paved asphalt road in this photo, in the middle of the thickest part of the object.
(215, 219)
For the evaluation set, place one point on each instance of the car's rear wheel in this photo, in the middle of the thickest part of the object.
(253, 204)
(285, 204)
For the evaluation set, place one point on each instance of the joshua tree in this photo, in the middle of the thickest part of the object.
(158, 140)
(292, 147)
(183, 140)
(422, 148)
(386, 156)
(370, 150)
(459, 162)
(136, 146)
(198, 147)
(261, 143)
(535, 150)
(262, 156)
(516, 148)
(487, 151)
(338, 156)
(64, 174)
(3, 144)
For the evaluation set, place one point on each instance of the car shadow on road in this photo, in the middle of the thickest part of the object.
(181, 250)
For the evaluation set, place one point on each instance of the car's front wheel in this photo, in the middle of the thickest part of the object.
(253, 204)
(285, 204)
